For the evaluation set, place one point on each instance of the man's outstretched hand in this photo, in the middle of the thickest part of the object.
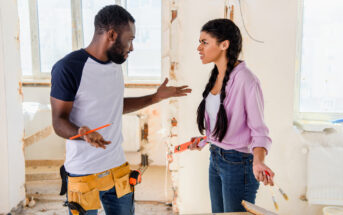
(94, 138)
(164, 92)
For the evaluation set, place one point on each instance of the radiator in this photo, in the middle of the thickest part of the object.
(325, 175)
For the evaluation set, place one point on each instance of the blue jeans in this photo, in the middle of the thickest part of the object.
(112, 205)
(231, 180)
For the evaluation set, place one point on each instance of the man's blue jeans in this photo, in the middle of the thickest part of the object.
(231, 180)
(111, 204)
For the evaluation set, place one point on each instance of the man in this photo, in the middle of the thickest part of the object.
(86, 92)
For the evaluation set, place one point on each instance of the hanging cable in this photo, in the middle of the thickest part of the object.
(246, 30)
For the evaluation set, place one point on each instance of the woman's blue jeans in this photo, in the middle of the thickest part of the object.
(231, 180)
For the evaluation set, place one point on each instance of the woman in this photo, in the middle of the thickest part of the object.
(231, 112)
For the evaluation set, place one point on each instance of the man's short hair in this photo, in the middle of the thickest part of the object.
(112, 17)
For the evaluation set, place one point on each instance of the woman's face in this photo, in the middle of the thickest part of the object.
(209, 49)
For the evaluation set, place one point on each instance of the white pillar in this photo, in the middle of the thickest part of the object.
(12, 162)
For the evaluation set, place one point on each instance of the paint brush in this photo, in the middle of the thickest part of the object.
(90, 131)
(280, 190)
(274, 199)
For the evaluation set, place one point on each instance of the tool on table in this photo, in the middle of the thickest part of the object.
(90, 131)
(201, 143)
(254, 209)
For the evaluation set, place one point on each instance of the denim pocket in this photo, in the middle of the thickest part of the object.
(232, 157)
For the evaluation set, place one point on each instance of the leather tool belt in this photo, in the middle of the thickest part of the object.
(84, 190)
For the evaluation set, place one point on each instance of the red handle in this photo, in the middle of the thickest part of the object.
(184, 146)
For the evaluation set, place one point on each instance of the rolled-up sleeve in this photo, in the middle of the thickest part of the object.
(255, 117)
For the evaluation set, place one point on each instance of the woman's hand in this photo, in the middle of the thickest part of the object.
(94, 138)
(259, 169)
(195, 141)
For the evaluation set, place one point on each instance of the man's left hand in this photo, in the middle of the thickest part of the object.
(164, 92)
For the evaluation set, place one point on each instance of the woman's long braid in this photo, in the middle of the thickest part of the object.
(222, 121)
(201, 108)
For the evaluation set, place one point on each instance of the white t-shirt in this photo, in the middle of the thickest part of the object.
(97, 90)
(212, 108)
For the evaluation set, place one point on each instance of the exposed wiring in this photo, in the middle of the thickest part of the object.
(246, 30)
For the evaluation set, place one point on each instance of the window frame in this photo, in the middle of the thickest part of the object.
(308, 116)
(77, 43)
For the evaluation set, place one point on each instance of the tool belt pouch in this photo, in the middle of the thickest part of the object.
(105, 180)
(121, 180)
(83, 191)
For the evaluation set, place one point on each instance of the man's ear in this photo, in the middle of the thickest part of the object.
(224, 45)
(112, 35)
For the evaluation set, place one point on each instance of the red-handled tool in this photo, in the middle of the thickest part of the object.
(200, 140)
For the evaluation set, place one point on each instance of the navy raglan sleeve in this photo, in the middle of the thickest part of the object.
(64, 82)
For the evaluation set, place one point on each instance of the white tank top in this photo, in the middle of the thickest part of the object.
(212, 108)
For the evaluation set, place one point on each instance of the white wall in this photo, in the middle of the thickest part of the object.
(12, 166)
(274, 22)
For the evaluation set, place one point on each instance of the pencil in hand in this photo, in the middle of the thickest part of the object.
(90, 131)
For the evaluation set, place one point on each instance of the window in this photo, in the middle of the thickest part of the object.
(145, 61)
(47, 33)
(25, 38)
(321, 53)
(89, 10)
(55, 36)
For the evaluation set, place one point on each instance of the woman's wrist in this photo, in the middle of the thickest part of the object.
(259, 155)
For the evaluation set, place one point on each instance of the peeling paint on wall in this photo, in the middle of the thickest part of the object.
(20, 90)
(173, 67)
(172, 101)
(37, 136)
(174, 122)
(174, 15)
(171, 61)
(229, 10)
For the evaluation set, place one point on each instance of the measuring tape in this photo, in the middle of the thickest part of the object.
(136, 176)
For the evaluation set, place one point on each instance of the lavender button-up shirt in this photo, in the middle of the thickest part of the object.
(244, 108)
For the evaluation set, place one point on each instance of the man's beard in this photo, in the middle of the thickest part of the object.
(116, 52)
